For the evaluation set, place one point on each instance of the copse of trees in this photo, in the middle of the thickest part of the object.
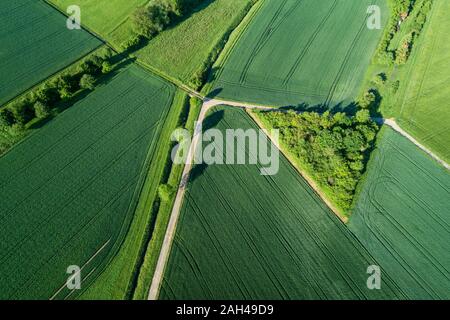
(333, 149)
(6, 118)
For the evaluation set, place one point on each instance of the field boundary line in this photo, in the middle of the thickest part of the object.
(391, 123)
(176, 209)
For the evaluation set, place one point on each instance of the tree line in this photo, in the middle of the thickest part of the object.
(39, 102)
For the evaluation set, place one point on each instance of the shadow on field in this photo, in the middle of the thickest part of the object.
(214, 93)
(197, 171)
(213, 119)
(349, 109)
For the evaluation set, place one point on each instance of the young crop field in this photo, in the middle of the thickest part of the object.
(181, 52)
(242, 235)
(402, 217)
(35, 43)
(422, 100)
(69, 191)
(303, 52)
(110, 19)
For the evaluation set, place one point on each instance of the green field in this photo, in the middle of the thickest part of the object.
(69, 191)
(402, 218)
(242, 235)
(423, 99)
(35, 43)
(181, 51)
(108, 18)
(301, 52)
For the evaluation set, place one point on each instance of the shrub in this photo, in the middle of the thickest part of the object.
(22, 111)
(379, 79)
(395, 86)
(362, 116)
(165, 192)
(6, 118)
(404, 51)
(106, 67)
(41, 110)
(87, 82)
(367, 100)
(106, 53)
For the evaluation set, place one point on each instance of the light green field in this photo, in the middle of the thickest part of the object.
(296, 52)
(35, 43)
(402, 217)
(422, 102)
(242, 235)
(108, 18)
(181, 51)
(70, 190)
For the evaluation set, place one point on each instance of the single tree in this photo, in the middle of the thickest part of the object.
(106, 67)
(6, 118)
(41, 110)
(87, 82)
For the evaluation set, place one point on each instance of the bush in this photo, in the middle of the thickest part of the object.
(165, 192)
(87, 82)
(379, 79)
(47, 94)
(41, 110)
(106, 53)
(395, 86)
(367, 100)
(198, 78)
(404, 51)
(362, 116)
(106, 67)
(16, 129)
(66, 85)
(22, 112)
(133, 42)
(6, 118)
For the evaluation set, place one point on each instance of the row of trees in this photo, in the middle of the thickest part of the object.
(333, 148)
(401, 10)
(39, 102)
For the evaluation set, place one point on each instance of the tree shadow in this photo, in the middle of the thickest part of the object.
(374, 108)
(197, 171)
(214, 93)
(213, 119)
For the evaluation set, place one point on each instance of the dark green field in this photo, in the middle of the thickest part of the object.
(246, 236)
(35, 43)
(69, 191)
(301, 51)
(402, 217)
